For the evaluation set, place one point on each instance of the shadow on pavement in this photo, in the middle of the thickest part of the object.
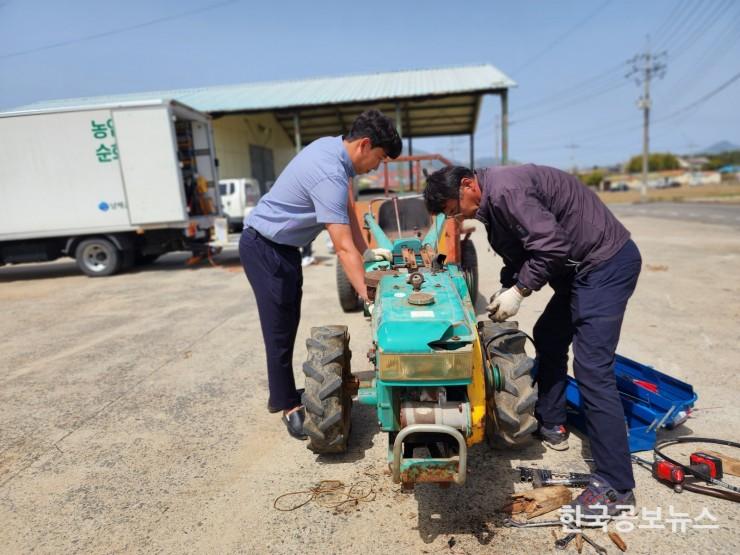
(68, 268)
(473, 508)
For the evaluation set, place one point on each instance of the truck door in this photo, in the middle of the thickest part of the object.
(151, 172)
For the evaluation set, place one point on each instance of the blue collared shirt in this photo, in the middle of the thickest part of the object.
(312, 191)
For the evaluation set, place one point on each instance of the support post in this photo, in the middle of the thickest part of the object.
(297, 132)
(411, 164)
(472, 151)
(504, 127)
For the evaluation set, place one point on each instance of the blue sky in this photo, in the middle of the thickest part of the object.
(572, 105)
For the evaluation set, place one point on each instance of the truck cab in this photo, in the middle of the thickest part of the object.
(238, 198)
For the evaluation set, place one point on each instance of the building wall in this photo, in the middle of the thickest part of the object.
(234, 134)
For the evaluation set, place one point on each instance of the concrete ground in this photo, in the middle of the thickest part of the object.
(133, 414)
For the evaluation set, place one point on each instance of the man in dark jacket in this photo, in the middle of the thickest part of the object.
(551, 229)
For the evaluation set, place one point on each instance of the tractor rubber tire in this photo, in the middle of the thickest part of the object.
(469, 266)
(510, 420)
(326, 399)
(348, 297)
(98, 257)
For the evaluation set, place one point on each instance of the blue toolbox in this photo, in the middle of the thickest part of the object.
(651, 400)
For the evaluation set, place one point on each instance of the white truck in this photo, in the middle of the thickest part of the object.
(238, 198)
(109, 185)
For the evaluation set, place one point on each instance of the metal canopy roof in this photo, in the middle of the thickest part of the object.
(431, 102)
(420, 117)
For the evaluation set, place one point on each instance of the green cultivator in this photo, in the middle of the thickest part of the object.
(442, 381)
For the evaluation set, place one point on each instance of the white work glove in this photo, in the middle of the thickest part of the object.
(496, 294)
(505, 304)
(377, 254)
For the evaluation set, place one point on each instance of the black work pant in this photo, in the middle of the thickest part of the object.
(274, 272)
(588, 310)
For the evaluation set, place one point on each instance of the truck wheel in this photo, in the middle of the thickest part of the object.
(348, 297)
(98, 257)
(326, 398)
(469, 265)
(510, 420)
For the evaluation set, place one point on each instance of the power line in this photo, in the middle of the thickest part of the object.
(116, 31)
(658, 121)
(701, 100)
(717, 49)
(687, 18)
(661, 31)
(568, 102)
(708, 21)
(580, 86)
(562, 37)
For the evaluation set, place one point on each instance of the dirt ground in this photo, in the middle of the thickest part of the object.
(133, 414)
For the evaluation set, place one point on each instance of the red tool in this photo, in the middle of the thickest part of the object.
(706, 464)
(653, 388)
(665, 472)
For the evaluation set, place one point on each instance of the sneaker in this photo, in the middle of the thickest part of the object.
(307, 261)
(600, 500)
(555, 438)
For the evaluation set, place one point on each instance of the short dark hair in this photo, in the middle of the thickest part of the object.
(379, 128)
(444, 185)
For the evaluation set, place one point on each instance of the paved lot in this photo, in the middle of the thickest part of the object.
(708, 213)
(133, 413)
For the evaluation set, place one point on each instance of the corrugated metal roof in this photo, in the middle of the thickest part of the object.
(316, 92)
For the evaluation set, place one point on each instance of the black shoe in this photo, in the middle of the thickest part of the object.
(294, 423)
(555, 438)
(273, 410)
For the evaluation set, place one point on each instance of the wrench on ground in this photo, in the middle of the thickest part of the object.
(600, 550)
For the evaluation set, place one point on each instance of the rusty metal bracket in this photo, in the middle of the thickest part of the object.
(459, 477)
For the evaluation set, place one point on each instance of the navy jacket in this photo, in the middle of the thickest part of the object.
(545, 223)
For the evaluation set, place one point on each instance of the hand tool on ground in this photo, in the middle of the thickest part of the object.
(664, 472)
(699, 470)
(600, 550)
(730, 465)
(704, 463)
(538, 501)
(511, 523)
(540, 477)
(618, 541)
(562, 543)
(579, 543)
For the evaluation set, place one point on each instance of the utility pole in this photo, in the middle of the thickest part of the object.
(644, 67)
(573, 147)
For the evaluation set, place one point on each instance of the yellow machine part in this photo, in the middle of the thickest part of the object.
(477, 396)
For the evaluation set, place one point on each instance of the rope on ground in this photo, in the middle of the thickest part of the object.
(329, 494)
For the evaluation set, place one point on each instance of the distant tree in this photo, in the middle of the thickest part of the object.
(593, 178)
(657, 161)
(716, 161)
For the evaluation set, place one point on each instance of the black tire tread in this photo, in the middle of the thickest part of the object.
(469, 265)
(349, 300)
(328, 404)
(512, 419)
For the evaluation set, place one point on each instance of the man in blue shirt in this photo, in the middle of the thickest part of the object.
(311, 194)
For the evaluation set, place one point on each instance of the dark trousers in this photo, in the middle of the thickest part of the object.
(274, 272)
(587, 310)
